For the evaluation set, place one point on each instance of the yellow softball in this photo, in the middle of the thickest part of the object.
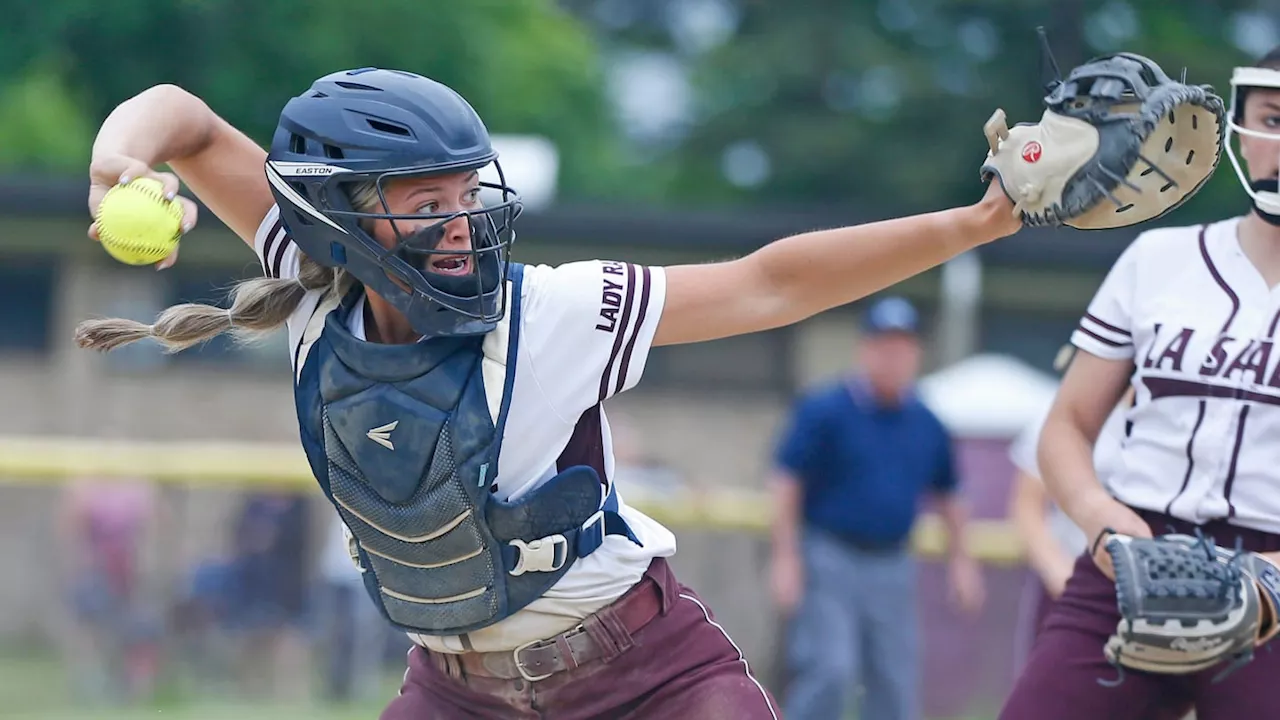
(137, 225)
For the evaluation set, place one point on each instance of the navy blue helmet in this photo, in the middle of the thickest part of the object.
(371, 126)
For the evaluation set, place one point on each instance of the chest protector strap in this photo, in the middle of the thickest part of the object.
(405, 442)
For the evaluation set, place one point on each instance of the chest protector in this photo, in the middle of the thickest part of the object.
(404, 442)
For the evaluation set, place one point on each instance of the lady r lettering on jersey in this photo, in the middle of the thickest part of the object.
(611, 297)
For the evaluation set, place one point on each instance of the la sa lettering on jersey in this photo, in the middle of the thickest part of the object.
(1229, 359)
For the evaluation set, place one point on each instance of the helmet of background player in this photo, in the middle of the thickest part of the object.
(358, 130)
(1259, 182)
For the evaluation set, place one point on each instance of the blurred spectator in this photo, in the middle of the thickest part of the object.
(270, 561)
(202, 620)
(113, 641)
(353, 632)
(851, 470)
(1052, 540)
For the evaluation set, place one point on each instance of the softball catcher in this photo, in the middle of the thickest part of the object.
(449, 398)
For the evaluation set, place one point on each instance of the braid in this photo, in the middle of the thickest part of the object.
(258, 307)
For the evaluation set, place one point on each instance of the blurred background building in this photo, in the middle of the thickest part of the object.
(657, 131)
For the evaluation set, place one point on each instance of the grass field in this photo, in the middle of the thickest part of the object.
(203, 712)
(36, 689)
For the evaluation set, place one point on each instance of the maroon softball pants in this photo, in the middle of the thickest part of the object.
(681, 664)
(1060, 679)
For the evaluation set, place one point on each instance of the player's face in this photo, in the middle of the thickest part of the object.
(1262, 114)
(891, 362)
(438, 194)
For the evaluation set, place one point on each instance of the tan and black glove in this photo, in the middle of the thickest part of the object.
(1119, 143)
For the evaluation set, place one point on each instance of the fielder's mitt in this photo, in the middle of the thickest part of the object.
(1187, 604)
(1119, 143)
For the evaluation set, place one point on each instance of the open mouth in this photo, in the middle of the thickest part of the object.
(451, 265)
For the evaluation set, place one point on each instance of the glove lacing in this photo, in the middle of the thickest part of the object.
(1230, 579)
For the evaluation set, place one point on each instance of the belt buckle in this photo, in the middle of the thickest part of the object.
(520, 668)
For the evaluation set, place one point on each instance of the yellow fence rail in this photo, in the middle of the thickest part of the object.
(47, 460)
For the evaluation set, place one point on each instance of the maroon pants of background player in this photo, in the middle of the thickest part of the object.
(1060, 681)
(680, 665)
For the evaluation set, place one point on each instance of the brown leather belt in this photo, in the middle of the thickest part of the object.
(594, 639)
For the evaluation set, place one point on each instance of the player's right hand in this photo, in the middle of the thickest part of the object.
(997, 206)
(1106, 518)
(107, 171)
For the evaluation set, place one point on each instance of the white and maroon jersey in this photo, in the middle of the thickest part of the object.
(585, 333)
(1199, 322)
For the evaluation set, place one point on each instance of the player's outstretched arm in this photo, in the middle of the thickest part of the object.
(1076, 167)
(800, 276)
(166, 124)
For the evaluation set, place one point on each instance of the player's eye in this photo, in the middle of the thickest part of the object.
(472, 196)
(1272, 121)
(428, 208)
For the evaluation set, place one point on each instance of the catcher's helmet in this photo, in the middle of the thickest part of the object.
(1263, 192)
(369, 126)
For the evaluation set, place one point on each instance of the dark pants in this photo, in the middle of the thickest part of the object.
(680, 665)
(856, 626)
(1060, 681)
(1034, 608)
(354, 641)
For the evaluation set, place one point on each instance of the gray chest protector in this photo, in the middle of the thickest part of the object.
(402, 441)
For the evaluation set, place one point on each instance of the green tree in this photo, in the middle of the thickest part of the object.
(880, 104)
(45, 127)
(526, 65)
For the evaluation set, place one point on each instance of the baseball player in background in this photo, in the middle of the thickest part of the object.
(420, 350)
(1052, 539)
(1188, 317)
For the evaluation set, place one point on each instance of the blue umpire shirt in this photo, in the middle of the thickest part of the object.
(863, 466)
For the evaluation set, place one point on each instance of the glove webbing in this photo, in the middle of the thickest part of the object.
(1228, 581)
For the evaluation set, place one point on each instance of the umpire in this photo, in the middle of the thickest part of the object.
(851, 470)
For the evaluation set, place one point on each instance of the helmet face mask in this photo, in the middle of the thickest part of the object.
(464, 280)
(352, 138)
(1262, 191)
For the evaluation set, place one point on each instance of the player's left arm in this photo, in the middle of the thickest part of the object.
(963, 570)
(945, 485)
(794, 460)
(955, 518)
(964, 573)
(800, 276)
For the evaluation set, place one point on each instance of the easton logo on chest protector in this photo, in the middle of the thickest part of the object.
(382, 434)
(440, 554)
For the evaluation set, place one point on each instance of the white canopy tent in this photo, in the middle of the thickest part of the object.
(531, 164)
(988, 396)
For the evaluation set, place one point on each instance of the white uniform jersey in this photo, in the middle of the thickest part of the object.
(1199, 322)
(586, 329)
(1106, 452)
